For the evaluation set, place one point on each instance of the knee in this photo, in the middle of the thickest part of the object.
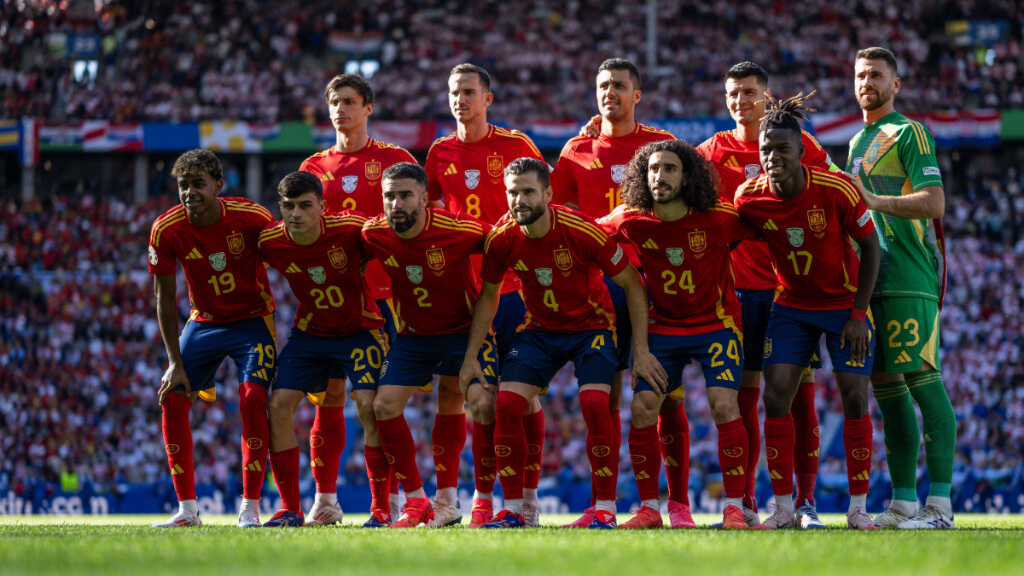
(643, 415)
(384, 408)
(365, 411)
(483, 408)
(722, 411)
(510, 405)
(594, 404)
(855, 401)
(776, 403)
(252, 396)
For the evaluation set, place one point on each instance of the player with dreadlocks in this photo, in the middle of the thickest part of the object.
(683, 232)
(808, 217)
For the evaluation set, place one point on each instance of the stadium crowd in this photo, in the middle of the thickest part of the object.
(80, 359)
(167, 61)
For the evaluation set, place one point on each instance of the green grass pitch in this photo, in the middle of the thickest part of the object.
(127, 545)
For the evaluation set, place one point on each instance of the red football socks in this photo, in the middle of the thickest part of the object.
(326, 443)
(485, 466)
(400, 450)
(510, 443)
(604, 458)
(805, 451)
(778, 441)
(448, 438)
(674, 437)
(857, 442)
(646, 458)
(732, 456)
(285, 466)
(533, 424)
(252, 401)
(748, 398)
(379, 473)
(178, 444)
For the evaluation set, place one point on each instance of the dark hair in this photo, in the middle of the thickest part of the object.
(877, 53)
(404, 170)
(622, 64)
(784, 114)
(197, 162)
(467, 68)
(298, 183)
(353, 81)
(700, 181)
(525, 165)
(746, 70)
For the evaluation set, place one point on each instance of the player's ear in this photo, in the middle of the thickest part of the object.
(369, 109)
(636, 96)
(548, 193)
(488, 98)
(896, 86)
(323, 205)
(219, 184)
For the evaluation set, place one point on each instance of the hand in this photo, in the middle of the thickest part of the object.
(471, 371)
(858, 335)
(646, 366)
(591, 129)
(869, 198)
(174, 376)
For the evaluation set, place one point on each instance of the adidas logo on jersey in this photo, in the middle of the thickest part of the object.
(451, 170)
(293, 269)
(650, 244)
(903, 358)
(521, 267)
(327, 177)
(595, 164)
(727, 376)
(731, 162)
(367, 379)
(194, 255)
(770, 225)
(391, 262)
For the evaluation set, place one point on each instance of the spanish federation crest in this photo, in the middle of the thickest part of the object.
(472, 179)
(752, 171)
(236, 243)
(698, 241)
(318, 275)
(349, 183)
(495, 166)
(435, 258)
(415, 274)
(544, 276)
(675, 256)
(796, 236)
(816, 219)
(618, 173)
(371, 170)
(219, 261)
(338, 257)
(563, 259)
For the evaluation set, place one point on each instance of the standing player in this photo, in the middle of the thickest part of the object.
(350, 172)
(682, 232)
(587, 177)
(427, 253)
(894, 158)
(808, 216)
(465, 171)
(559, 255)
(215, 240)
(735, 156)
(337, 326)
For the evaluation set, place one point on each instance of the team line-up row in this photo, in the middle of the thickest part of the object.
(486, 265)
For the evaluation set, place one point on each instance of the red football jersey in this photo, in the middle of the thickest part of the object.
(737, 161)
(226, 278)
(591, 170)
(351, 181)
(435, 283)
(469, 177)
(809, 237)
(562, 273)
(324, 276)
(687, 265)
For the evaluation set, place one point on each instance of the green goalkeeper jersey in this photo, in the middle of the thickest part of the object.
(895, 156)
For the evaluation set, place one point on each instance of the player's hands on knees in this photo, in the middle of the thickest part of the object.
(471, 371)
(174, 376)
(856, 332)
(591, 129)
(646, 366)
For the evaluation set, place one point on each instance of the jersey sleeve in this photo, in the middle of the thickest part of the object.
(734, 228)
(611, 224)
(434, 191)
(563, 185)
(493, 269)
(162, 261)
(855, 216)
(815, 155)
(917, 153)
(611, 258)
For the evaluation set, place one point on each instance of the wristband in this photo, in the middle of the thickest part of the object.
(856, 314)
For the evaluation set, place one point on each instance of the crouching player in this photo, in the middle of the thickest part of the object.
(808, 217)
(682, 233)
(337, 328)
(426, 252)
(559, 255)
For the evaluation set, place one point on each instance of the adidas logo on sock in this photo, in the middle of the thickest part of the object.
(603, 473)
(775, 475)
(506, 472)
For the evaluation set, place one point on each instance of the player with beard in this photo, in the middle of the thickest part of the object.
(683, 232)
(893, 158)
(561, 257)
(426, 252)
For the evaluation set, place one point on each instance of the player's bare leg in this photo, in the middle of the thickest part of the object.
(378, 471)
(646, 458)
(449, 439)
(327, 442)
(284, 456)
(857, 433)
(510, 449)
(400, 450)
(781, 383)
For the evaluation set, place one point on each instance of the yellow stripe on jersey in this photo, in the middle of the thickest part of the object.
(268, 235)
(577, 222)
(442, 219)
(727, 208)
(158, 229)
(922, 138)
(517, 134)
(471, 230)
(811, 138)
(600, 240)
(495, 232)
(843, 186)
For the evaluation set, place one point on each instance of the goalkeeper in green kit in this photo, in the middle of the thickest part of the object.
(893, 159)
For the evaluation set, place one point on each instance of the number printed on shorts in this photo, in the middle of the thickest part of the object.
(266, 352)
(373, 355)
(911, 339)
(732, 351)
(598, 342)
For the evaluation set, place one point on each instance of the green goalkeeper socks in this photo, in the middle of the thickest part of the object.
(902, 437)
(939, 428)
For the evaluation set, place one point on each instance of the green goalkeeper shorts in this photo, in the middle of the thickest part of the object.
(908, 334)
